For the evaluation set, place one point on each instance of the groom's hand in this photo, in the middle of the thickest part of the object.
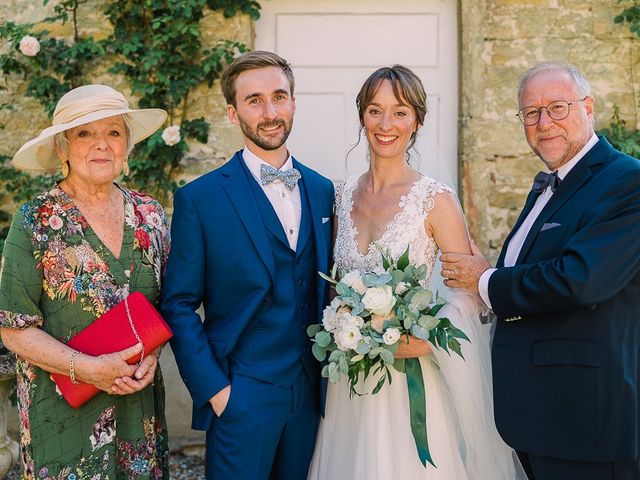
(463, 271)
(219, 400)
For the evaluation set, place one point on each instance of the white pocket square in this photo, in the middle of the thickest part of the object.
(549, 226)
(325, 219)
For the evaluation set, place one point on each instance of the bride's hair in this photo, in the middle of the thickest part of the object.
(407, 88)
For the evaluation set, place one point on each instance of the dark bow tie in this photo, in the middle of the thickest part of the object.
(544, 180)
(289, 177)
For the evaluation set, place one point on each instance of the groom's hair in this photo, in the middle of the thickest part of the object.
(251, 61)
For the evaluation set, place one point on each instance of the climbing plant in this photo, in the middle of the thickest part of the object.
(622, 136)
(156, 47)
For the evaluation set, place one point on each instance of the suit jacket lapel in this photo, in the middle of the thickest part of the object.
(238, 190)
(313, 191)
(577, 176)
(531, 200)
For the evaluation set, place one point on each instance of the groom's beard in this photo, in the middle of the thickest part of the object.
(264, 142)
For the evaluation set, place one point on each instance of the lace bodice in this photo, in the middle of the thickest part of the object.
(406, 228)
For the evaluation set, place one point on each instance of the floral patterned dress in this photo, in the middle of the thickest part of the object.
(57, 275)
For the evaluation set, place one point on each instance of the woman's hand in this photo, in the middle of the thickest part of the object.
(142, 377)
(103, 370)
(412, 347)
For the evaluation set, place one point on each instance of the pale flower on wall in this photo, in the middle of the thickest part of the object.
(29, 46)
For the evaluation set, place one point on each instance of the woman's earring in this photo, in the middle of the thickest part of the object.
(64, 168)
(125, 168)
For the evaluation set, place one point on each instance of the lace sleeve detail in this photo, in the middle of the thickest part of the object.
(338, 198)
(431, 189)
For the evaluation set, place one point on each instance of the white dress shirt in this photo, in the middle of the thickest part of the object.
(518, 238)
(285, 202)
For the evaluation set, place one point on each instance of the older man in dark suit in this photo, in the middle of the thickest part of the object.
(566, 290)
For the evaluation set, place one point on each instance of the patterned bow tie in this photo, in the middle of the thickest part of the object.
(289, 177)
(544, 180)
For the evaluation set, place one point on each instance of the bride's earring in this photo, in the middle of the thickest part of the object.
(125, 168)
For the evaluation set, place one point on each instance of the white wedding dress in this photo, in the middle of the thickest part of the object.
(369, 437)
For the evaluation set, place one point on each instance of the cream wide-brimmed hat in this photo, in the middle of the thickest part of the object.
(80, 106)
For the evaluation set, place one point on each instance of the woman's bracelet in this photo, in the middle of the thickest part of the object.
(72, 370)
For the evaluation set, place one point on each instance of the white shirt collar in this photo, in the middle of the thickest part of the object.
(253, 163)
(566, 168)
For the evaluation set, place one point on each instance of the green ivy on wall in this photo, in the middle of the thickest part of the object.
(156, 46)
(621, 136)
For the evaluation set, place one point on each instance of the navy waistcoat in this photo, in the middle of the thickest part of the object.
(276, 347)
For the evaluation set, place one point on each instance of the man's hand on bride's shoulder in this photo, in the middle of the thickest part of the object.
(463, 271)
(412, 347)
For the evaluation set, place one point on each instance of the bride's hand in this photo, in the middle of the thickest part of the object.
(412, 347)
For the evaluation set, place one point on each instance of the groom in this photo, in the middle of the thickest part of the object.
(566, 291)
(248, 241)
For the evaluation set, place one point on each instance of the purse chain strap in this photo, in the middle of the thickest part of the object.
(133, 327)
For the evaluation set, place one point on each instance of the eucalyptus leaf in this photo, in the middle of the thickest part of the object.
(341, 288)
(428, 322)
(323, 338)
(421, 299)
(356, 358)
(344, 365)
(318, 352)
(387, 356)
(420, 332)
(383, 279)
(325, 371)
(313, 329)
(336, 355)
(370, 279)
(397, 276)
(357, 309)
(363, 348)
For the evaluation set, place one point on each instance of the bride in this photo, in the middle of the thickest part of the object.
(390, 207)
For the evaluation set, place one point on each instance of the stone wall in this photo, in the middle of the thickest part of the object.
(500, 39)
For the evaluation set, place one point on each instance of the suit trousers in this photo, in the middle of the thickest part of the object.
(547, 468)
(266, 432)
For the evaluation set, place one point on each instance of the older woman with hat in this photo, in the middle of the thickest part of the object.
(72, 253)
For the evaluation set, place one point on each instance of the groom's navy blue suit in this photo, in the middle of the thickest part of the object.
(567, 368)
(230, 252)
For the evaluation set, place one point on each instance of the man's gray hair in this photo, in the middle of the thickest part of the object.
(62, 143)
(579, 81)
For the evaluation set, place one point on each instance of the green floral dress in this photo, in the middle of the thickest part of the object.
(57, 275)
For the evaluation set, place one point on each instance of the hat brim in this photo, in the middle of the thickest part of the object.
(39, 155)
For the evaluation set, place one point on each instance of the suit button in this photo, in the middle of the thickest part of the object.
(303, 305)
(266, 301)
(300, 282)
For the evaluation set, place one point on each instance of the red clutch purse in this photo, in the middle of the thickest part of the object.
(117, 329)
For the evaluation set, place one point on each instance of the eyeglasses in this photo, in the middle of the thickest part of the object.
(558, 110)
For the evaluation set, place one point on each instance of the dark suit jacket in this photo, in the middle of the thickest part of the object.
(567, 373)
(220, 256)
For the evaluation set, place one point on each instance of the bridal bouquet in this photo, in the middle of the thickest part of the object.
(363, 326)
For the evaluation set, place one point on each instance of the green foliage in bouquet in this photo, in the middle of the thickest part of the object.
(362, 328)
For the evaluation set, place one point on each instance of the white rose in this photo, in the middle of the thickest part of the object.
(171, 135)
(330, 320)
(401, 288)
(29, 46)
(379, 300)
(346, 320)
(348, 338)
(354, 280)
(391, 336)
